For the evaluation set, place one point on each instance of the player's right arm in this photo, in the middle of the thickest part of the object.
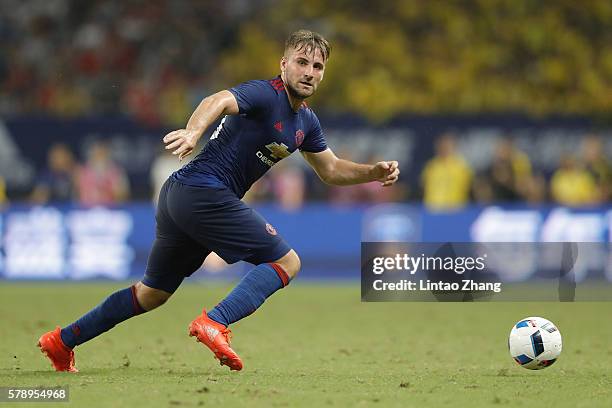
(183, 141)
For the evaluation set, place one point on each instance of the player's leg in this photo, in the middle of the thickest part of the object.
(150, 298)
(250, 293)
(255, 287)
(155, 288)
(238, 232)
(290, 263)
(117, 307)
(173, 256)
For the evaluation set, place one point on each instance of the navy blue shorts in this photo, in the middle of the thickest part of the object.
(193, 221)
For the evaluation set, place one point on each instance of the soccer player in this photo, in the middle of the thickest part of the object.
(200, 210)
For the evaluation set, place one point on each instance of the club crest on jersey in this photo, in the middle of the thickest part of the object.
(279, 126)
(271, 230)
(299, 137)
(279, 151)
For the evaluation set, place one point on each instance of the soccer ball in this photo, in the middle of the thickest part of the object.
(535, 343)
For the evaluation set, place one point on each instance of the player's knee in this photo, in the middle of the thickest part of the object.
(150, 298)
(290, 263)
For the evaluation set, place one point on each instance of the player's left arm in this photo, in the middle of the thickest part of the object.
(340, 172)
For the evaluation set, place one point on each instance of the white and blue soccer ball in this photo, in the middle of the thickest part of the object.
(535, 343)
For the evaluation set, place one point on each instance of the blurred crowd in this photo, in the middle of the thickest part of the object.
(582, 179)
(154, 60)
(447, 181)
(97, 181)
(150, 60)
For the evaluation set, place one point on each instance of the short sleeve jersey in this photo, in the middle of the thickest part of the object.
(245, 146)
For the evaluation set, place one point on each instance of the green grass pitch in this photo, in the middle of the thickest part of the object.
(310, 345)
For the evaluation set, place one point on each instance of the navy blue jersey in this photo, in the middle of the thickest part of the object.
(246, 145)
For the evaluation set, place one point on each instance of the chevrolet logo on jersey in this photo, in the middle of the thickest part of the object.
(279, 151)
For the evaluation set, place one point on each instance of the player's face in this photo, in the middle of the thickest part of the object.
(302, 72)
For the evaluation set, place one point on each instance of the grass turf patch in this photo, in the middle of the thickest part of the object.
(309, 345)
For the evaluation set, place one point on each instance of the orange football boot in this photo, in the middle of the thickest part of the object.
(61, 356)
(216, 337)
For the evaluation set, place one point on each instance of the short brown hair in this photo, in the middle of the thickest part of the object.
(309, 41)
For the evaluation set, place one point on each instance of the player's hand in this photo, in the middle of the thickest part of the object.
(183, 141)
(387, 172)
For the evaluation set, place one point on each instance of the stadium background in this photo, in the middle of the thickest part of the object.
(485, 104)
(498, 111)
